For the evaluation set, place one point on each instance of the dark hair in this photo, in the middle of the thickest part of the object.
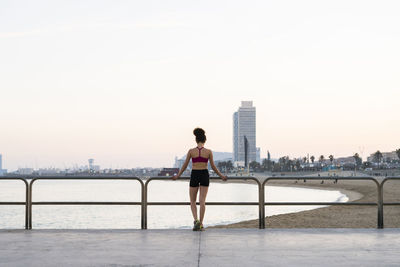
(200, 135)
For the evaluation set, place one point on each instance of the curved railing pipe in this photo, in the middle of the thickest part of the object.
(381, 193)
(144, 195)
(259, 203)
(26, 203)
(55, 178)
(350, 178)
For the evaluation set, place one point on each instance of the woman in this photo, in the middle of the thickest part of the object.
(199, 177)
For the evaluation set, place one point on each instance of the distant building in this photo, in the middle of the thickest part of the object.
(25, 171)
(258, 155)
(2, 171)
(91, 162)
(235, 137)
(49, 171)
(238, 164)
(218, 156)
(168, 172)
(179, 162)
(345, 160)
(92, 167)
(244, 128)
(386, 157)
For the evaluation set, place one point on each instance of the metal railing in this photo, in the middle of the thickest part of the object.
(378, 187)
(144, 203)
(381, 194)
(26, 203)
(84, 202)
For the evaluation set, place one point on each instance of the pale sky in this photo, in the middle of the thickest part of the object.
(125, 82)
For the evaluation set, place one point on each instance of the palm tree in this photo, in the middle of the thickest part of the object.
(378, 157)
(304, 159)
(312, 159)
(398, 153)
(331, 158)
(282, 163)
(264, 164)
(290, 164)
(321, 159)
(254, 165)
(298, 165)
(357, 159)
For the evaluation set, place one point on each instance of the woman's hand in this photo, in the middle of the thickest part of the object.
(224, 177)
(175, 177)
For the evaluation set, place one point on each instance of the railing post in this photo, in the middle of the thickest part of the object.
(380, 205)
(142, 226)
(261, 206)
(30, 203)
(26, 205)
(144, 211)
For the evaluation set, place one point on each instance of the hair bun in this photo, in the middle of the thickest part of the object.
(199, 132)
(200, 135)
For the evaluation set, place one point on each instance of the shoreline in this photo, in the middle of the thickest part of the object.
(350, 194)
(333, 216)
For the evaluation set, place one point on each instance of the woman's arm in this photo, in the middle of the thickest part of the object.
(215, 168)
(188, 157)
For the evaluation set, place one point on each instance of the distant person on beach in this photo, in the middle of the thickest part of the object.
(199, 177)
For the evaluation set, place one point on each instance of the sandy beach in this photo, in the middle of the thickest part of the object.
(336, 216)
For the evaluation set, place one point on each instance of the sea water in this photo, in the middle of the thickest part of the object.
(159, 217)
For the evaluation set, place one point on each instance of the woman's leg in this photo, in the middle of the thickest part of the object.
(193, 195)
(203, 195)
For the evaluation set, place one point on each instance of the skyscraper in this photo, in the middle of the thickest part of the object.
(2, 172)
(235, 137)
(244, 127)
(91, 161)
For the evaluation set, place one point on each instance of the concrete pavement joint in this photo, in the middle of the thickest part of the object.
(198, 259)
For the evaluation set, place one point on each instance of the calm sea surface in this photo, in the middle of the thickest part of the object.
(121, 217)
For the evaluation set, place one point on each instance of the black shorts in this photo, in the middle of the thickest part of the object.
(199, 177)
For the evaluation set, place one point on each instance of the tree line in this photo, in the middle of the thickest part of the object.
(287, 164)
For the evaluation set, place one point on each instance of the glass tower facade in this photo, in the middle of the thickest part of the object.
(235, 137)
(244, 124)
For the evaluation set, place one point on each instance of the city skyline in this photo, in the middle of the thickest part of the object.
(244, 131)
(126, 83)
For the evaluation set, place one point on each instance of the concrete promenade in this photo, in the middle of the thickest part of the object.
(213, 247)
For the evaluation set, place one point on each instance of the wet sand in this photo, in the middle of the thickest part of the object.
(336, 216)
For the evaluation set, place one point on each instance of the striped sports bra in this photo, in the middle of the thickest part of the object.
(199, 158)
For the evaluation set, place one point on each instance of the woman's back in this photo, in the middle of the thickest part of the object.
(199, 157)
